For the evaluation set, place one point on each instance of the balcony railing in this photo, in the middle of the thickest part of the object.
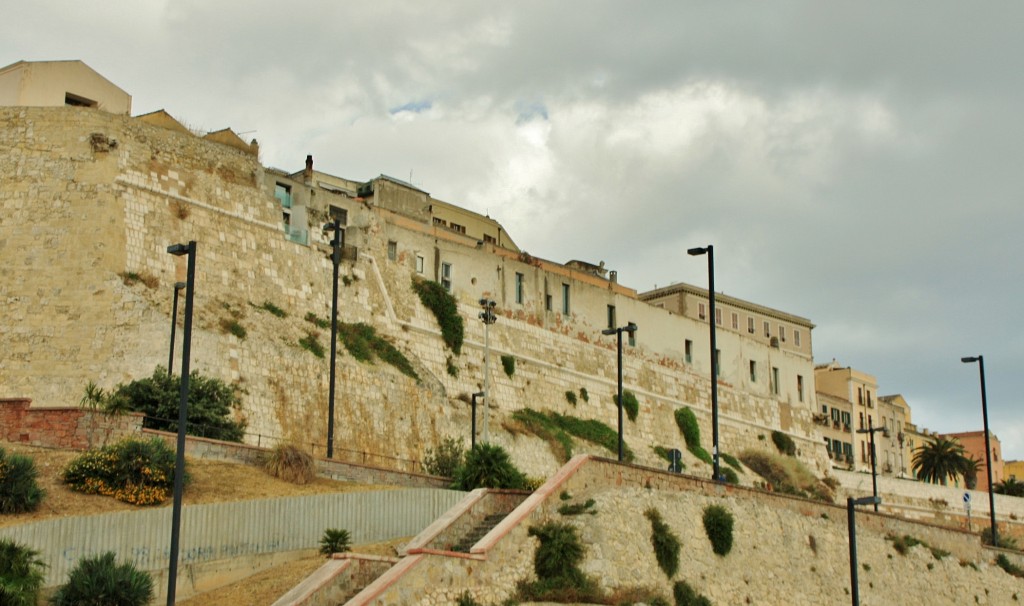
(299, 236)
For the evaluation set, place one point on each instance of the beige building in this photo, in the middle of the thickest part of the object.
(60, 83)
(894, 451)
(861, 391)
(835, 418)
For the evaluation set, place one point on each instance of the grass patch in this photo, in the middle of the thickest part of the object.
(289, 463)
(665, 542)
(274, 309)
(363, 342)
(556, 429)
(1004, 562)
(731, 462)
(575, 509)
(131, 278)
(688, 596)
(784, 443)
(786, 475)
(315, 320)
(311, 343)
(629, 403)
(231, 326)
(444, 307)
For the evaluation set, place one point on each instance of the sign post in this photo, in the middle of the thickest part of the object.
(967, 508)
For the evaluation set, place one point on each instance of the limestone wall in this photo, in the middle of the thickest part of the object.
(88, 197)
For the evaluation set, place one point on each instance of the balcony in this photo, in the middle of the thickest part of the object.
(299, 236)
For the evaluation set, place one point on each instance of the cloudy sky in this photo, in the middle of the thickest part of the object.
(858, 164)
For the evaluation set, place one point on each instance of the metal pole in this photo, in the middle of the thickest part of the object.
(336, 243)
(851, 524)
(874, 475)
(472, 440)
(988, 454)
(487, 372)
(174, 325)
(179, 461)
(619, 333)
(717, 476)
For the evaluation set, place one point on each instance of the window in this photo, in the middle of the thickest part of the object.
(283, 193)
(718, 316)
(340, 214)
(735, 321)
(836, 415)
(700, 311)
(689, 351)
(718, 363)
(796, 337)
(73, 100)
(632, 338)
(800, 387)
(446, 276)
(456, 227)
(547, 302)
(565, 299)
(862, 420)
(440, 222)
(490, 239)
(750, 325)
(775, 380)
(846, 419)
(419, 264)
(753, 371)
(860, 398)
(519, 287)
(611, 316)
(782, 333)
(767, 329)
(392, 250)
(868, 393)
(824, 409)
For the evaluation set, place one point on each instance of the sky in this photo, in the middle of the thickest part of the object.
(858, 164)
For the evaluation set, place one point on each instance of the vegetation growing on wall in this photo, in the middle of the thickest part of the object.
(311, 343)
(1004, 562)
(139, 472)
(570, 397)
(232, 326)
(556, 429)
(629, 403)
(131, 278)
(451, 367)
(444, 307)
(718, 524)
(665, 542)
(786, 475)
(574, 509)
(663, 452)
(364, 344)
(317, 321)
(556, 563)
(731, 461)
(508, 363)
(584, 395)
(688, 596)
(19, 488)
(687, 423)
(273, 309)
(784, 443)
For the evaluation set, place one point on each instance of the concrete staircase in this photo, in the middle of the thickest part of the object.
(478, 532)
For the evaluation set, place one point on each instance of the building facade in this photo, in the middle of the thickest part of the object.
(974, 446)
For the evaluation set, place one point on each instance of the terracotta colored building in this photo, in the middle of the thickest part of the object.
(974, 444)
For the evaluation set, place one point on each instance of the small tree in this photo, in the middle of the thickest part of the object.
(21, 574)
(335, 540)
(101, 581)
(446, 459)
(19, 490)
(940, 459)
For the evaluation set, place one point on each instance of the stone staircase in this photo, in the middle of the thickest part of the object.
(478, 532)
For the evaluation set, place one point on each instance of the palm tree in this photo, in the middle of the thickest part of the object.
(1010, 487)
(941, 459)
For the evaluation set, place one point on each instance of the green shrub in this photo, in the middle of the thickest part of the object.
(584, 395)
(488, 466)
(687, 423)
(509, 364)
(335, 540)
(362, 341)
(718, 526)
(19, 489)
(446, 459)
(21, 574)
(784, 443)
(210, 404)
(1004, 562)
(557, 565)
(786, 475)
(663, 452)
(274, 309)
(139, 472)
(101, 581)
(466, 599)
(570, 397)
(1005, 542)
(701, 454)
(453, 369)
(730, 475)
(556, 429)
(435, 298)
(540, 425)
(666, 543)
(576, 509)
(233, 327)
(317, 321)
(731, 461)
(311, 343)
(629, 404)
(688, 596)
(290, 463)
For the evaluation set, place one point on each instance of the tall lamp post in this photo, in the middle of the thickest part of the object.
(174, 321)
(179, 461)
(337, 243)
(631, 329)
(709, 250)
(488, 317)
(472, 439)
(874, 475)
(851, 524)
(988, 447)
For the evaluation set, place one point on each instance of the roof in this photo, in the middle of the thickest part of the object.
(724, 299)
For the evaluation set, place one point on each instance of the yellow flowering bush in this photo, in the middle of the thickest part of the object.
(139, 472)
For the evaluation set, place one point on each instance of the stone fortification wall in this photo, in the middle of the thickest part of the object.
(89, 197)
(785, 550)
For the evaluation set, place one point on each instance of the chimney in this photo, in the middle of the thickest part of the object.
(308, 173)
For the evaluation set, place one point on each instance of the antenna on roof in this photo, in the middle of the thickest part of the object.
(410, 176)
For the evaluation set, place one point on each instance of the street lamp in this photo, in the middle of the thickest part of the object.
(709, 250)
(851, 524)
(874, 482)
(174, 321)
(631, 329)
(488, 317)
(337, 242)
(472, 440)
(179, 461)
(988, 447)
